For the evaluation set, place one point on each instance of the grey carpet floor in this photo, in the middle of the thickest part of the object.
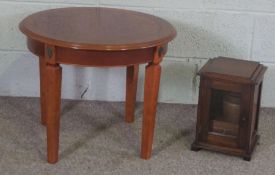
(95, 140)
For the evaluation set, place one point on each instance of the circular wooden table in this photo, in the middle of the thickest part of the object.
(89, 36)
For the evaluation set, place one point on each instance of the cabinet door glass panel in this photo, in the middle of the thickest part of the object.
(224, 113)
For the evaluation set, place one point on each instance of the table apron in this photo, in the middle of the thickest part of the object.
(94, 58)
(104, 58)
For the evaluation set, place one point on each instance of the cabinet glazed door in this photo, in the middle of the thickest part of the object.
(222, 124)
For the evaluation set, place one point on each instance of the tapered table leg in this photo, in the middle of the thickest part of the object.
(131, 91)
(53, 80)
(42, 67)
(151, 88)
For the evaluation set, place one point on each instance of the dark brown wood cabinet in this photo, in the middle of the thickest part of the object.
(229, 103)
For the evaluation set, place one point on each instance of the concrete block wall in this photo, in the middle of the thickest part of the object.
(206, 28)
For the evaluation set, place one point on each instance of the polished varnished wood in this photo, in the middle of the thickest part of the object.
(95, 28)
(98, 37)
(53, 89)
(95, 58)
(101, 58)
(42, 67)
(232, 76)
(232, 70)
(151, 88)
(131, 91)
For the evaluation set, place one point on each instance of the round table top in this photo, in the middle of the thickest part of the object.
(96, 28)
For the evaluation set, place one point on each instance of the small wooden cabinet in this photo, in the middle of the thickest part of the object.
(229, 103)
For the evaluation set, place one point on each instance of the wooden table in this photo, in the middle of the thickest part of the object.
(89, 36)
